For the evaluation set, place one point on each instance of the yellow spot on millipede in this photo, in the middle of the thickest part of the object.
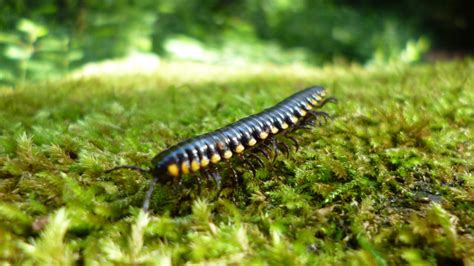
(204, 161)
(293, 119)
(284, 125)
(195, 166)
(274, 130)
(262, 135)
(309, 107)
(252, 142)
(318, 98)
(240, 148)
(303, 112)
(173, 170)
(215, 158)
(184, 168)
(227, 154)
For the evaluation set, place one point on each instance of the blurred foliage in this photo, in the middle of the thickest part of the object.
(31, 52)
(41, 39)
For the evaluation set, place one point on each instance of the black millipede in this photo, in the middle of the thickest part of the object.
(244, 138)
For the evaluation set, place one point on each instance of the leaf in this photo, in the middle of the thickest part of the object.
(74, 55)
(18, 53)
(33, 29)
(9, 38)
(29, 26)
(52, 44)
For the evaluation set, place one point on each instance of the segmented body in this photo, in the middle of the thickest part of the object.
(234, 139)
(238, 139)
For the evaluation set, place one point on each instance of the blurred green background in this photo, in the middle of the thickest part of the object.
(49, 38)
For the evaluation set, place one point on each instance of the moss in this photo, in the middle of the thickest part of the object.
(388, 181)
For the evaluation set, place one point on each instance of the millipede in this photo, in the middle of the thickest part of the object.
(265, 133)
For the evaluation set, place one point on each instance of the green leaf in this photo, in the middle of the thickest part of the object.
(52, 44)
(74, 55)
(9, 38)
(33, 29)
(17, 52)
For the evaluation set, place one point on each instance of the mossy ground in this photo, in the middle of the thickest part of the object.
(389, 181)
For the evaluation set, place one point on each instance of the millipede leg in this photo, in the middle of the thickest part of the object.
(264, 152)
(234, 173)
(318, 114)
(258, 159)
(198, 178)
(311, 123)
(306, 125)
(176, 184)
(327, 100)
(246, 160)
(218, 179)
(287, 149)
(176, 188)
(324, 115)
(275, 147)
(252, 167)
(295, 141)
(205, 173)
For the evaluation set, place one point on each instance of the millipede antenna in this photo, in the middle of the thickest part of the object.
(146, 202)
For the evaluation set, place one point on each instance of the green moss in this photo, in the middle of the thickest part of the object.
(389, 181)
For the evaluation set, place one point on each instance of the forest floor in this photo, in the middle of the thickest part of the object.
(388, 181)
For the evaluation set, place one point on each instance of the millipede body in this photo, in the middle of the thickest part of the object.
(255, 133)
